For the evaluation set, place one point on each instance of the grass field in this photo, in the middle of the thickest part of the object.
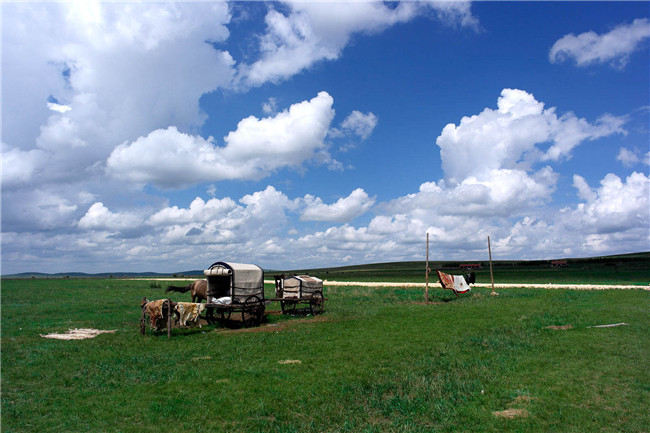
(378, 360)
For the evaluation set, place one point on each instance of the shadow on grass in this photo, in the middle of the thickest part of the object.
(278, 322)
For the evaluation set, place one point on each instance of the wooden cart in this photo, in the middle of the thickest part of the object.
(235, 290)
(300, 289)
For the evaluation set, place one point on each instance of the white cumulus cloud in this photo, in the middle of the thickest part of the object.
(359, 124)
(514, 134)
(100, 218)
(343, 210)
(199, 211)
(315, 31)
(488, 159)
(584, 191)
(614, 47)
(171, 159)
(631, 157)
(617, 205)
(124, 69)
(59, 108)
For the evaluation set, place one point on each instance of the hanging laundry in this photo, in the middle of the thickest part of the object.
(457, 283)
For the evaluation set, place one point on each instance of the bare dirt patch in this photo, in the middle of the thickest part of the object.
(201, 358)
(523, 399)
(559, 328)
(425, 303)
(511, 413)
(275, 327)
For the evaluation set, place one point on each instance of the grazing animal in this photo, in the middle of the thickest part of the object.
(199, 290)
(278, 285)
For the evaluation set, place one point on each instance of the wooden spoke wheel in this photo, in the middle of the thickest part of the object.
(252, 311)
(316, 303)
(216, 314)
(288, 307)
(224, 313)
(209, 315)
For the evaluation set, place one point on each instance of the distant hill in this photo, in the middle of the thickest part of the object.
(195, 273)
(636, 260)
(643, 258)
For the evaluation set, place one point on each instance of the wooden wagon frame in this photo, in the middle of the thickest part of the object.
(235, 288)
(300, 289)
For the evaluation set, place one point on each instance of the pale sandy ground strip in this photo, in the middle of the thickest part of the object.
(434, 284)
(496, 285)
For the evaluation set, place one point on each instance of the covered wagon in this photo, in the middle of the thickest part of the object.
(235, 288)
(300, 289)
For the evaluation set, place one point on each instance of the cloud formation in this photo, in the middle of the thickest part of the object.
(316, 31)
(616, 206)
(358, 124)
(100, 218)
(170, 159)
(117, 71)
(343, 210)
(632, 157)
(614, 47)
(489, 159)
(110, 102)
(519, 132)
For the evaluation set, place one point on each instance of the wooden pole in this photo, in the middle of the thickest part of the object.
(491, 273)
(142, 319)
(169, 318)
(426, 291)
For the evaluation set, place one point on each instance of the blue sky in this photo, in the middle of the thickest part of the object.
(166, 136)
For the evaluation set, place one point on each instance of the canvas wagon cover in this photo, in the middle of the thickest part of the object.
(296, 286)
(304, 281)
(246, 279)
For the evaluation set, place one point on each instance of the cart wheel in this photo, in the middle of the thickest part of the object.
(209, 315)
(316, 303)
(288, 307)
(252, 312)
(224, 314)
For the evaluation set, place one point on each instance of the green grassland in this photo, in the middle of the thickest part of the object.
(378, 360)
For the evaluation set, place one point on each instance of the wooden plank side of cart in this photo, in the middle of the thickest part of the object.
(238, 305)
(303, 299)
